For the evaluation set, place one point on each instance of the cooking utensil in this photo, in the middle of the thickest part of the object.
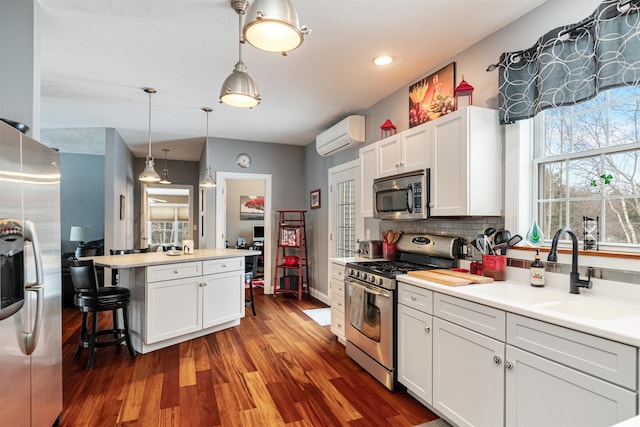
(501, 236)
(510, 243)
(490, 231)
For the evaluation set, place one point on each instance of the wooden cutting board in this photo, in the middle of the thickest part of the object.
(449, 278)
(439, 278)
(473, 277)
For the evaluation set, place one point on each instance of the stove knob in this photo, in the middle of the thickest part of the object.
(380, 281)
(372, 279)
(364, 276)
(357, 274)
(350, 272)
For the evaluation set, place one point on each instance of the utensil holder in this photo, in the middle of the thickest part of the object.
(495, 266)
(389, 251)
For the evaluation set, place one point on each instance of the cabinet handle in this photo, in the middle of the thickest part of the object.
(401, 163)
(497, 360)
(427, 329)
(432, 205)
(508, 364)
(413, 298)
(175, 271)
(339, 325)
(224, 265)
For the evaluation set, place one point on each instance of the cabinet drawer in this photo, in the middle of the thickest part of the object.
(221, 265)
(477, 317)
(609, 360)
(157, 273)
(337, 300)
(415, 297)
(337, 271)
(337, 322)
(337, 285)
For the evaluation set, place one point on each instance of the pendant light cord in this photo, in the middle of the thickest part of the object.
(239, 37)
(149, 124)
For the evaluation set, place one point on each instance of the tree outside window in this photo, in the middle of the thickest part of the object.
(587, 162)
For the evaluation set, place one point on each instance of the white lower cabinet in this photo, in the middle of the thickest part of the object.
(336, 287)
(468, 376)
(540, 392)
(415, 369)
(222, 298)
(173, 308)
(481, 366)
(181, 301)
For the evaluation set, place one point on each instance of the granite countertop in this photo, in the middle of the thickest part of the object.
(528, 303)
(159, 258)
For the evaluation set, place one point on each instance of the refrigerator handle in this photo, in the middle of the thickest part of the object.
(31, 336)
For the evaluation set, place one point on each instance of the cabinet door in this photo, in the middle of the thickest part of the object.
(468, 381)
(450, 165)
(173, 308)
(389, 156)
(222, 298)
(540, 392)
(415, 354)
(368, 164)
(415, 148)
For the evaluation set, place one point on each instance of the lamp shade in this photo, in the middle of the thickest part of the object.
(239, 89)
(207, 181)
(273, 26)
(149, 173)
(80, 233)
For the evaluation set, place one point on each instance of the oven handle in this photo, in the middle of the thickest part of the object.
(370, 289)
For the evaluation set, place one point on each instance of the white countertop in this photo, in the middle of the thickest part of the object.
(345, 260)
(159, 258)
(622, 329)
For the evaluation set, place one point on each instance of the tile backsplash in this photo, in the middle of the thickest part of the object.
(466, 227)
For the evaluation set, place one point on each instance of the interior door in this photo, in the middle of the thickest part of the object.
(345, 226)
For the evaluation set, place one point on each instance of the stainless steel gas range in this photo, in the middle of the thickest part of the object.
(371, 299)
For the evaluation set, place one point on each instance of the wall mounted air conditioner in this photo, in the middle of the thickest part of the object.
(344, 134)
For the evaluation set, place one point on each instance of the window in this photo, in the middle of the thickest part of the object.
(346, 221)
(587, 162)
(168, 224)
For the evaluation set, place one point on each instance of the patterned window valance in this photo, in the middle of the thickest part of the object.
(573, 63)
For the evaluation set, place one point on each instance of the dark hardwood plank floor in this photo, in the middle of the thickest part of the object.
(279, 368)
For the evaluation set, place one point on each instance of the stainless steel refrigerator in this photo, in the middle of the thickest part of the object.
(30, 314)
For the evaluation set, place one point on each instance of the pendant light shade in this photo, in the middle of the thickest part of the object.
(273, 25)
(149, 173)
(165, 172)
(207, 180)
(239, 89)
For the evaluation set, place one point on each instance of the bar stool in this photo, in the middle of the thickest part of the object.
(91, 298)
(250, 271)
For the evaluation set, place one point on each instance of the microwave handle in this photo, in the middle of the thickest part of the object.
(409, 197)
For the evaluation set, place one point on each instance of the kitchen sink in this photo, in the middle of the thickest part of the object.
(591, 309)
(517, 293)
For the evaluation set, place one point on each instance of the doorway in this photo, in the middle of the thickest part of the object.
(344, 222)
(225, 180)
(167, 215)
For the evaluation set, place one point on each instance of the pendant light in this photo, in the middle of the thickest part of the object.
(207, 180)
(273, 25)
(149, 173)
(165, 172)
(239, 89)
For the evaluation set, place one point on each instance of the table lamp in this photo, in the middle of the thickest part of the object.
(80, 233)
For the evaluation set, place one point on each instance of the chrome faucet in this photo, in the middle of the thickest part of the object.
(575, 282)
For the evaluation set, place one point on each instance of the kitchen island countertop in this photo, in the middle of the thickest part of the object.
(159, 258)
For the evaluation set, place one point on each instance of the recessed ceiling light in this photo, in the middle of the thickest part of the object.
(382, 60)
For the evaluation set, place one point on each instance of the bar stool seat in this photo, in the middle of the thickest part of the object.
(90, 298)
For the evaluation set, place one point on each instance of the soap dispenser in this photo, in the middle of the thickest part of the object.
(537, 271)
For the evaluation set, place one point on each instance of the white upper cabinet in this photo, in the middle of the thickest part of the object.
(466, 163)
(404, 152)
(368, 164)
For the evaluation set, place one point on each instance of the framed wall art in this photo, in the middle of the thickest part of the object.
(314, 199)
(252, 208)
(432, 96)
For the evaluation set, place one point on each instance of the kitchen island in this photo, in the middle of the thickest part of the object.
(178, 297)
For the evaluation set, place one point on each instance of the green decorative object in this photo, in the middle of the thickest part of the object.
(535, 236)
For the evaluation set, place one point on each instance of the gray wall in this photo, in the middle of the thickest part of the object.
(82, 196)
(472, 63)
(285, 164)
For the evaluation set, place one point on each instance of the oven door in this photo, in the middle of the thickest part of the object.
(369, 312)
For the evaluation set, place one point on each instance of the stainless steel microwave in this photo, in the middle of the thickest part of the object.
(402, 197)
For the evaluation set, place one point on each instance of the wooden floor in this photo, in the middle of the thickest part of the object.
(278, 368)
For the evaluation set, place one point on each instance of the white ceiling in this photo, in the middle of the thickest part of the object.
(98, 54)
